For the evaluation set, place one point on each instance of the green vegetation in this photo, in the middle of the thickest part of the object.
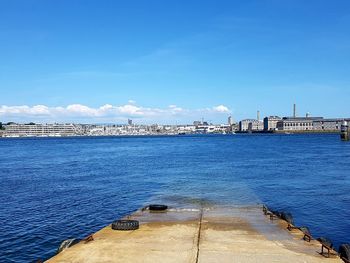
(1, 126)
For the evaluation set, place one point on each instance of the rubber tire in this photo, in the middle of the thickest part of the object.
(287, 217)
(344, 251)
(305, 230)
(125, 225)
(325, 241)
(157, 207)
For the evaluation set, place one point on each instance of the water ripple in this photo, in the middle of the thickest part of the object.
(52, 189)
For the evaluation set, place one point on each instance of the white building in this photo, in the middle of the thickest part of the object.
(270, 123)
(251, 125)
(41, 130)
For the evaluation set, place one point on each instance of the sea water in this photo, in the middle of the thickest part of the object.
(52, 189)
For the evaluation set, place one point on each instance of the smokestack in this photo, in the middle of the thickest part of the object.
(258, 115)
(294, 110)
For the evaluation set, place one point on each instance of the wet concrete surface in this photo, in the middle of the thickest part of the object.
(215, 234)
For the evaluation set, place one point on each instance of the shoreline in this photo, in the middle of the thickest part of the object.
(179, 135)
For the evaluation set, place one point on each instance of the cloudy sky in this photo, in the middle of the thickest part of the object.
(110, 113)
(172, 61)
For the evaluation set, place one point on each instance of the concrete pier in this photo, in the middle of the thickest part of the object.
(217, 234)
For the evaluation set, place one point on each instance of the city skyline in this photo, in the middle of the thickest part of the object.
(158, 62)
(109, 114)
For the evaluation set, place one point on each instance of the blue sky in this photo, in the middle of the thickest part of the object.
(172, 61)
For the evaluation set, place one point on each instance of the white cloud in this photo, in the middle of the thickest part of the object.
(108, 113)
(130, 110)
(26, 110)
(221, 108)
(81, 110)
(106, 107)
(40, 109)
(175, 109)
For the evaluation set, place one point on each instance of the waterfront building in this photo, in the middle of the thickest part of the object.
(41, 130)
(196, 123)
(186, 129)
(234, 127)
(231, 125)
(330, 125)
(297, 123)
(270, 123)
(204, 128)
(251, 125)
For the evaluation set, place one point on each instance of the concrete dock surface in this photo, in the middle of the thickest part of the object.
(217, 234)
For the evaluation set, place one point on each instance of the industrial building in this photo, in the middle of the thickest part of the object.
(251, 125)
(270, 123)
(296, 123)
(299, 124)
(315, 124)
(331, 125)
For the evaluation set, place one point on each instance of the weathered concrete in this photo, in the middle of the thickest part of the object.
(211, 235)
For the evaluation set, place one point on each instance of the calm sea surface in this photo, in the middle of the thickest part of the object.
(52, 189)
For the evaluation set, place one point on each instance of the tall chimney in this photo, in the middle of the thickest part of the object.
(294, 110)
(258, 115)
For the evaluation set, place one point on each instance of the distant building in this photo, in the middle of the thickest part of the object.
(223, 128)
(197, 123)
(129, 122)
(234, 127)
(270, 123)
(30, 130)
(231, 125)
(297, 123)
(229, 121)
(331, 125)
(186, 129)
(256, 126)
(251, 125)
(205, 128)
